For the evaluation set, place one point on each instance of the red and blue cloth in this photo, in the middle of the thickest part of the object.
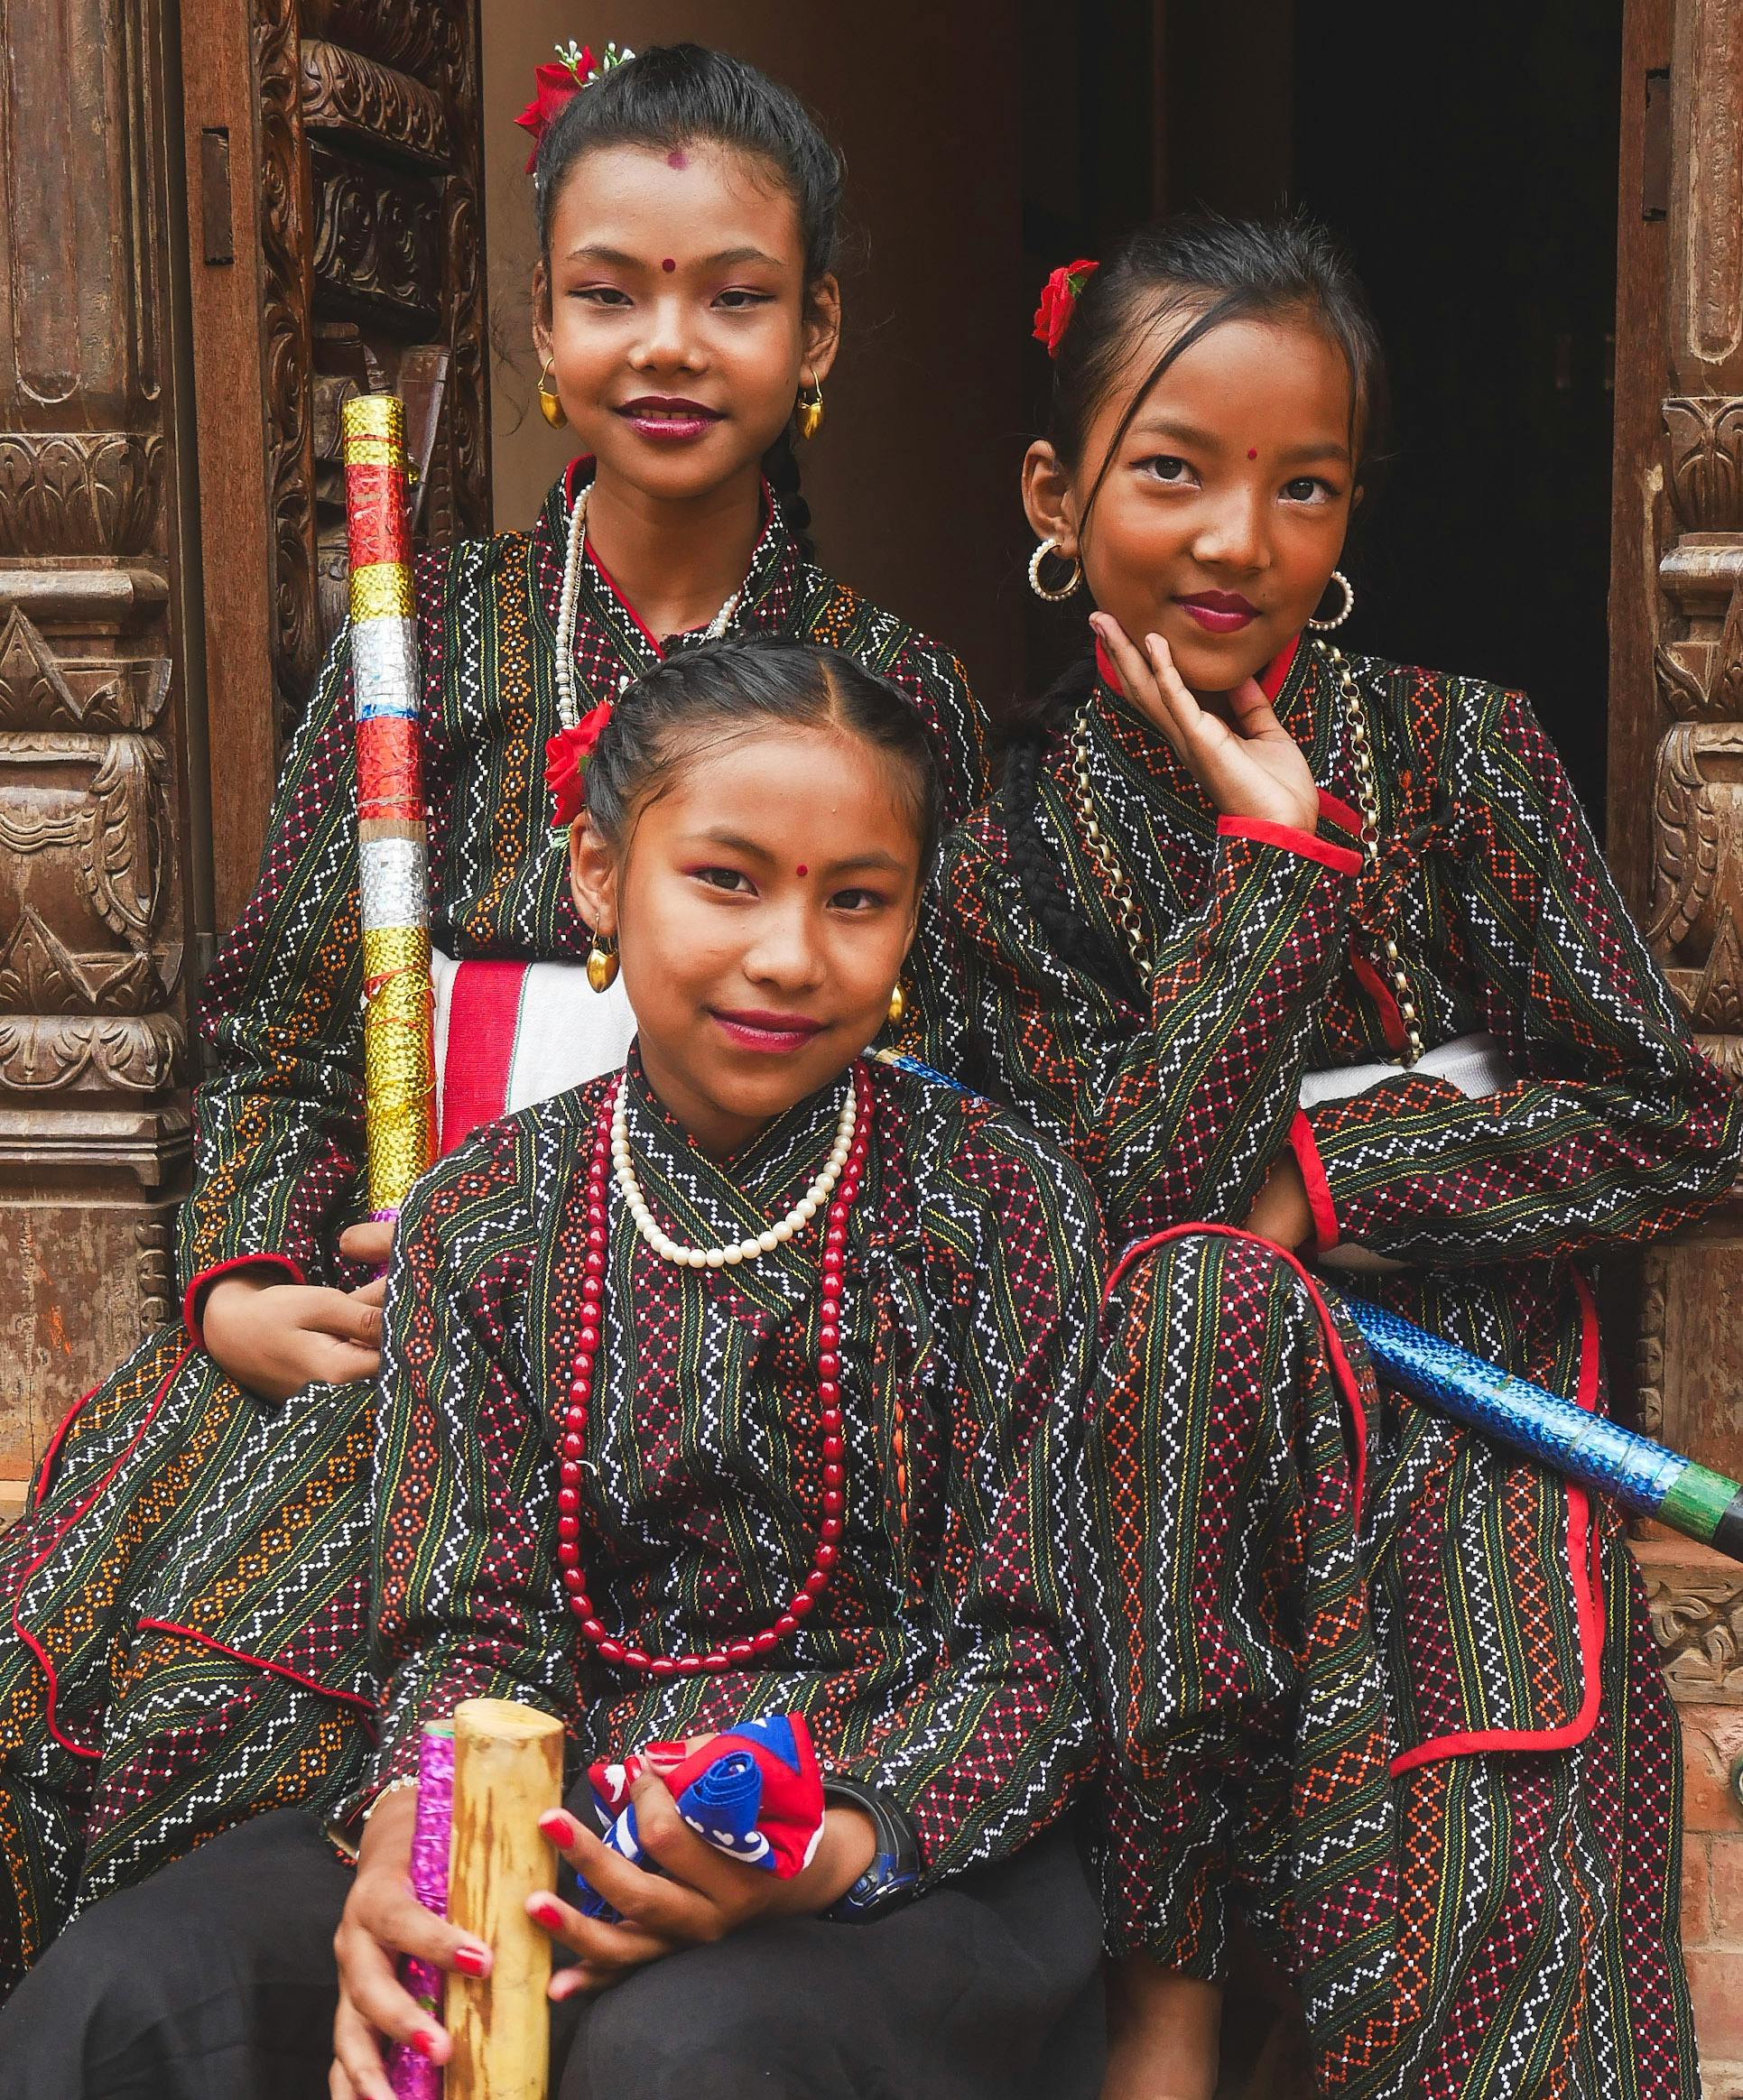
(753, 1792)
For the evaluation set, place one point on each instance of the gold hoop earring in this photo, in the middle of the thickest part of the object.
(551, 407)
(1058, 597)
(898, 1007)
(809, 411)
(602, 962)
(1337, 619)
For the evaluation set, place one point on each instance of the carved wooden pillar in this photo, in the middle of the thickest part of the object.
(1677, 731)
(93, 926)
(1691, 1368)
(211, 230)
(333, 168)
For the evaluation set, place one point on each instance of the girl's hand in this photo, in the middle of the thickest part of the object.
(1255, 769)
(698, 1897)
(276, 1339)
(384, 1920)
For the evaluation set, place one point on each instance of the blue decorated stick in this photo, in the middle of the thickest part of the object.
(1644, 1477)
(1649, 1478)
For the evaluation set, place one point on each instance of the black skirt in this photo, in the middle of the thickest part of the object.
(215, 1980)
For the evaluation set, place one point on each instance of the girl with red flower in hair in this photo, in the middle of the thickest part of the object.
(183, 1608)
(1310, 961)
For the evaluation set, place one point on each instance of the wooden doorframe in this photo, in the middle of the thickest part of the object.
(1677, 843)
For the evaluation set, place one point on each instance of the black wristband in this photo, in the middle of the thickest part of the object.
(894, 1873)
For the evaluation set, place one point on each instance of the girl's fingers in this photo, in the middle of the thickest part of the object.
(357, 2069)
(373, 1293)
(649, 1902)
(573, 1982)
(347, 1317)
(676, 1849)
(369, 1981)
(1253, 715)
(601, 1946)
(391, 1917)
(372, 1243)
(1128, 660)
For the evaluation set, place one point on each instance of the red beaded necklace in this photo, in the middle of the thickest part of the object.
(573, 1447)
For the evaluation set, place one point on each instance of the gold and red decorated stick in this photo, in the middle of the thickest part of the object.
(392, 845)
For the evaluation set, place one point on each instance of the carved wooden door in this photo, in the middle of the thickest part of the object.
(202, 251)
(333, 172)
(1676, 839)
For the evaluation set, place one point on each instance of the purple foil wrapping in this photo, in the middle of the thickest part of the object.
(409, 2074)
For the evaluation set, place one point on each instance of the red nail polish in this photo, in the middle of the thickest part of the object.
(547, 1910)
(424, 2042)
(557, 1826)
(471, 1961)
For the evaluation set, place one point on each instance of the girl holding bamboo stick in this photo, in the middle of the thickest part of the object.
(742, 1385)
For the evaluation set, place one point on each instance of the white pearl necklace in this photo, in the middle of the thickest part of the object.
(567, 713)
(745, 1250)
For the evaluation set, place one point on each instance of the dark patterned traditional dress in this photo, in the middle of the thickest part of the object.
(931, 1668)
(182, 1610)
(1373, 1684)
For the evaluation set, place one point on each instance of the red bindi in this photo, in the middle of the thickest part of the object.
(801, 869)
(668, 263)
(1252, 451)
(677, 158)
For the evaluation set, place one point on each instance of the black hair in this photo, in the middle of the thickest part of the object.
(732, 687)
(1203, 270)
(1207, 270)
(674, 95)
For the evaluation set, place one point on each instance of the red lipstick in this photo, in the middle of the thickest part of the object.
(669, 418)
(1219, 612)
(777, 1035)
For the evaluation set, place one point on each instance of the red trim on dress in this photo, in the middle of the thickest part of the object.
(90, 1501)
(1340, 813)
(199, 1285)
(1334, 1348)
(1326, 1230)
(606, 577)
(1392, 1021)
(484, 1012)
(1582, 1568)
(1307, 844)
(312, 1684)
(1581, 1538)
(45, 1466)
(1275, 673)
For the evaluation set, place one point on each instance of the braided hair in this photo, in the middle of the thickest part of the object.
(671, 95)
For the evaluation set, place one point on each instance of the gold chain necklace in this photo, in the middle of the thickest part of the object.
(1125, 903)
(1368, 800)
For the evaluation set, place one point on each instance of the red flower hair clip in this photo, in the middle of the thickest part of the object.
(1059, 298)
(566, 757)
(557, 85)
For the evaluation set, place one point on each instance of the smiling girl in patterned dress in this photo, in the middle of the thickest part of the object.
(183, 1608)
(1270, 936)
(744, 1382)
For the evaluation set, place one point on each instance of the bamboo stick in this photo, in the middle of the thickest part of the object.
(508, 1762)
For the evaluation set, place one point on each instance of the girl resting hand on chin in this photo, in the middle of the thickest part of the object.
(1308, 957)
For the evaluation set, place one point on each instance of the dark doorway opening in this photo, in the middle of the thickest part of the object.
(1471, 167)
